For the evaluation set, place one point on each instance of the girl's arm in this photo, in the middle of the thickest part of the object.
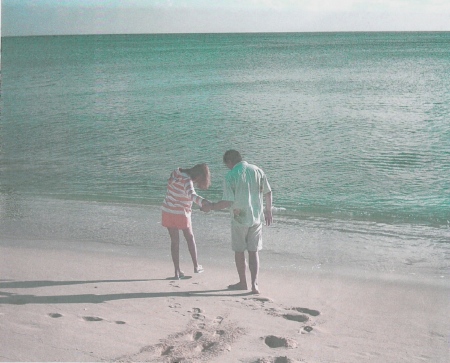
(192, 195)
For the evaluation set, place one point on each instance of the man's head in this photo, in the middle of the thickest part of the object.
(231, 158)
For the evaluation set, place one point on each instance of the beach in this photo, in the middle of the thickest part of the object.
(352, 131)
(99, 301)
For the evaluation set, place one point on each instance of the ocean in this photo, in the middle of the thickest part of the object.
(352, 129)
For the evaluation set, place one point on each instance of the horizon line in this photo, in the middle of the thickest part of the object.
(218, 33)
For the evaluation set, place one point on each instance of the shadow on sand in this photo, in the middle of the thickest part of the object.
(18, 299)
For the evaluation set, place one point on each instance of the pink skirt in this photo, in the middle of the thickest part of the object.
(179, 221)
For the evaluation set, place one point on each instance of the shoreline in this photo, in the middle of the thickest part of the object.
(394, 252)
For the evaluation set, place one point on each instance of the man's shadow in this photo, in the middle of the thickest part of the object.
(24, 299)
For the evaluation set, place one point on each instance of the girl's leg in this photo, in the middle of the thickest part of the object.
(175, 250)
(189, 235)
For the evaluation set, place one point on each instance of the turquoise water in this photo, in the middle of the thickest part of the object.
(347, 126)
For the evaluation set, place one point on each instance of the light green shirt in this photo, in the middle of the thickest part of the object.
(245, 186)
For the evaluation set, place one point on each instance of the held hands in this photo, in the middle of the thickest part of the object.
(206, 206)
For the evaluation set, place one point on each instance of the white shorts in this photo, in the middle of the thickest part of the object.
(246, 238)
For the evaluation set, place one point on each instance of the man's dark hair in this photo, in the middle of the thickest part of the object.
(233, 156)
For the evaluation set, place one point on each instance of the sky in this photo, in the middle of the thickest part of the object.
(58, 17)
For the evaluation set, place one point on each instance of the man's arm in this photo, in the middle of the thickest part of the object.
(268, 210)
(222, 204)
(209, 206)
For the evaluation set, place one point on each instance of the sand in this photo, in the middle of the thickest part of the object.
(64, 303)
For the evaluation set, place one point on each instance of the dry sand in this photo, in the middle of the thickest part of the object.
(64, 304)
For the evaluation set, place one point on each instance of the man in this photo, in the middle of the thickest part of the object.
(244, 188)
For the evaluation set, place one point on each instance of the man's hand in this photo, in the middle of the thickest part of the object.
(268, 216)
(268, 209)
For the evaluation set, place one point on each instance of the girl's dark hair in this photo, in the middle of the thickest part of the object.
(200, 173)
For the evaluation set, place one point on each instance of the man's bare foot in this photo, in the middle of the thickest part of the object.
(255, 289)
(237, 286)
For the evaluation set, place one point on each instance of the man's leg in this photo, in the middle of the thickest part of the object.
(254, 244)
(238, 242)
(241, 266)
(253, 263)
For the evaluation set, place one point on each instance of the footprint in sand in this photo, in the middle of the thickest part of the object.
(85, 318)
(262, 299)
(306, 316)
(295, 317)
(279, 311)
(301, 318)
(92, 318)
(220, 332)
(96, 318)
(307, 311)
(258, 300)
(276, 360)
(55, 315)
(197, 335)
(198, 314)
(273, 341)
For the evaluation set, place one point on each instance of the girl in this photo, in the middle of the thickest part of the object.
(177, 208)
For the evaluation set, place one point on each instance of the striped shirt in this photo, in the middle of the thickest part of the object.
(180, 194)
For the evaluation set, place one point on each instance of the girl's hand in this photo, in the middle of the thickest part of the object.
(206, 206)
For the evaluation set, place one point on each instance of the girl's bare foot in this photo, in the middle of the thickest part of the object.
(237, 286)
(179, 275)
